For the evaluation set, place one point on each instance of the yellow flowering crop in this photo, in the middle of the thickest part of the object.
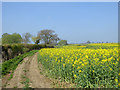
(91, 65)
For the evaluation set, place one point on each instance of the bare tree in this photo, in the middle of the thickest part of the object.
(26, 37)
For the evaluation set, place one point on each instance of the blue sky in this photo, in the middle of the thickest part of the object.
(76, 22)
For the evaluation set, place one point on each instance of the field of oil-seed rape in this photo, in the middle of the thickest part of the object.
(90, 65)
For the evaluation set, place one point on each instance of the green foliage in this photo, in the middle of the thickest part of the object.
(36, 40)
(5, 34)
(11, 76)
(26, 83)
(11, 38)
(11, 64)
(62, 42)
(16, 48)
(34, 46)
(88, 42)
(25, 49)
(26, 37)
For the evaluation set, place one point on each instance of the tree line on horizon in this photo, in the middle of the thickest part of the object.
(44, 36)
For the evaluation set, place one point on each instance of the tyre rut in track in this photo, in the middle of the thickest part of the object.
(29, 68)
(37, 80)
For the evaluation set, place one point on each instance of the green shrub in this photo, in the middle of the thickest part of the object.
(63, 42)
(18, 49)
(25, 50)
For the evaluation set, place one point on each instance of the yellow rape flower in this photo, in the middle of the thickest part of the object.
(75, 76)
(82, 64)
(116, 80)
(63, 65)
(78, 67)
(73, 65)
(80, 71)
(118, 84)
(111, 69)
